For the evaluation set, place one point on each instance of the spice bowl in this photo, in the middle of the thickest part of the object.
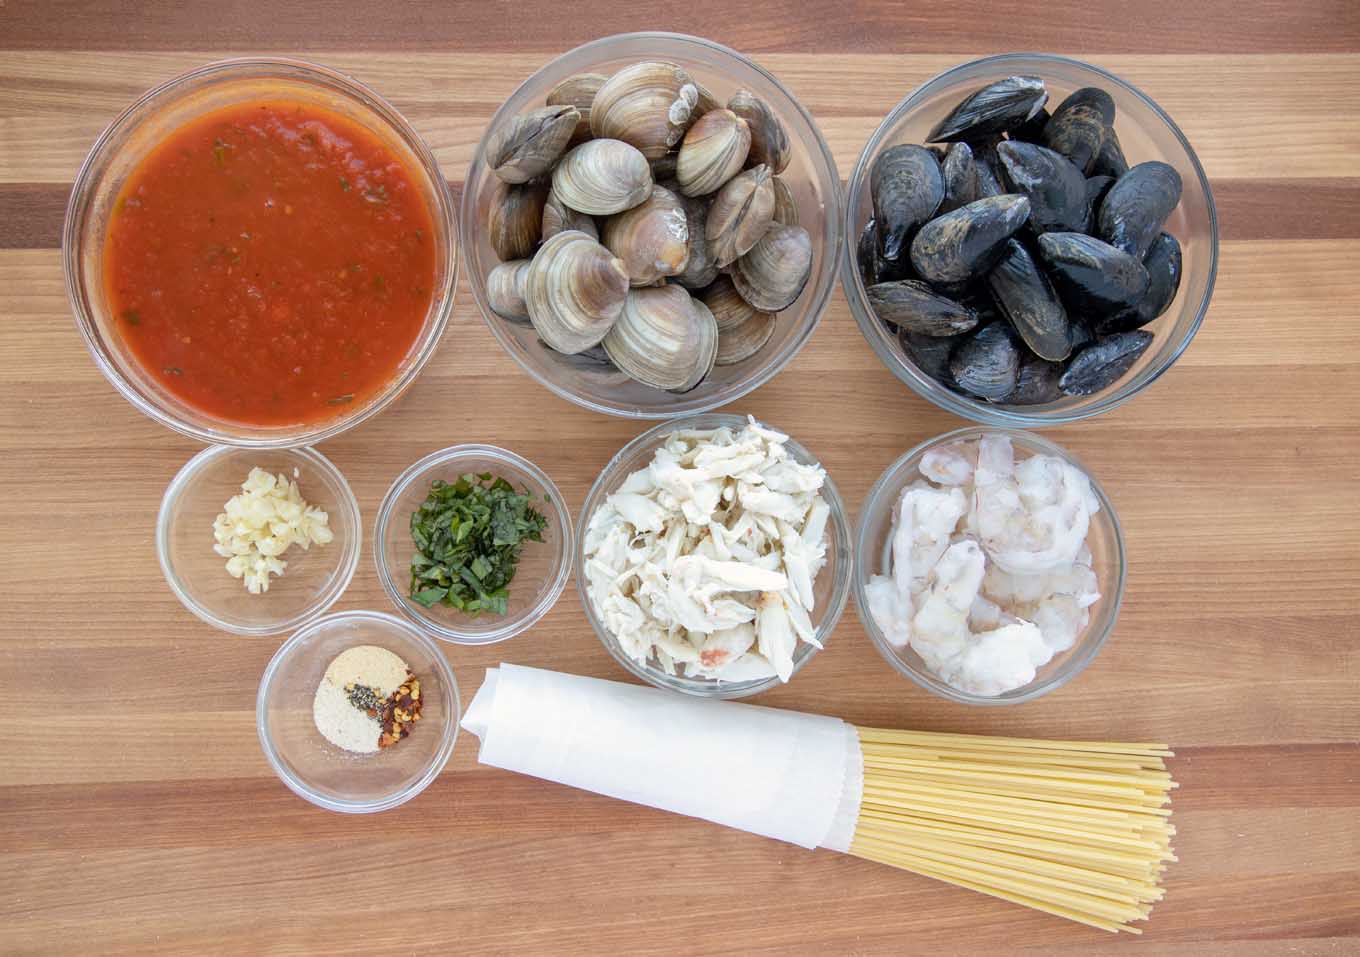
(314, 578)
(1105, 539)
(540, 576)
(331, 777)
(831, 588)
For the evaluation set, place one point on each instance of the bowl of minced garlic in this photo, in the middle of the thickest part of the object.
(358, 711)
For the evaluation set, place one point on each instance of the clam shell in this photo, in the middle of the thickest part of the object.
(652, 238)
(648, 105)
(574, 290)
(740, 342)
(771, 276)
(602, 177)
(700, 270)
(661, 340)
(741, 212)
(714, 150)
(528, 145)
(785, 206)
(769, 142)
(505, 290)
(704, 369)
(558, 217)
(578, 91)
(514, 222)
(728, 308)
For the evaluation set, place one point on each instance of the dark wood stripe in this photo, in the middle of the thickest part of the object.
(820, 26)
(1248, 209)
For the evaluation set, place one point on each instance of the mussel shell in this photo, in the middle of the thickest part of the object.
(738, 343)
(579, 91)
(1110, 160)
(1036, 383)
(769, 142)
(1032, 130)
(1082, 333)
(1079, 126)
(990, 172)
(1092, 276)
(931, 354)
(700, 269)
(772, 274)
(558, 216)
(1137, 206)
(1026, 297)
(505, 290)
(957, 246)
(648, 105)
(960, 174)
(987, 364)
(714, 150)
(1163, 263)
(1056, 189)
(528, 145)
(915, 306)
(652, 238)
(1101, 364)
(602, 177)
(661, 340)
(995, 108)
(1096, 188)
(712, 344)
(785, 206)
(907, 188)
(740, 214)
(574, 290)
(514, 221)
(866, 253)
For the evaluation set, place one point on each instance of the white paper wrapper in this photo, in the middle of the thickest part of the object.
(781, 774)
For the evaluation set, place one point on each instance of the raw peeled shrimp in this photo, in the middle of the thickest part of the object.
(949, 464)
(1031, 518)
(940, 627)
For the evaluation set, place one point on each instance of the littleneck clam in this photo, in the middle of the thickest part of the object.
(916, 307)
(1101, 364)
(505, 289)
(739, 215)
(907, 189)
(957, 246)
(960, 173)
(995, 108)
(769, 142)
(1137, 206)
(649, 105)
(1079, 126)
(714, 150)
(725, 303)
(1163, 264)
(700, 269)
(711, 344)
(988, 363)
(660, 339)
(1093, 277)
(772, 274)
(652, 238)
(574, 290)
(738, 343)
(1056, 189)
(602, 177)
(579, 91)
(528, 145)
(515, 219)
(785, 206)
(558, 216)
(1031, 304)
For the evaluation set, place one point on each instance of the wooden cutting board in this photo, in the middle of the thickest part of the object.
(136, 811)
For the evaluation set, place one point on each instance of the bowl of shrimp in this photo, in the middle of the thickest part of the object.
(989, 566)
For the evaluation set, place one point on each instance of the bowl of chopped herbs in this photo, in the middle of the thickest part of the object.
(473, 544)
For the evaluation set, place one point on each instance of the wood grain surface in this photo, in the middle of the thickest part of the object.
(136, 811)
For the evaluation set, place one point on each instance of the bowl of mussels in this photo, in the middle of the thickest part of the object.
(652, 225)
(1029, 240)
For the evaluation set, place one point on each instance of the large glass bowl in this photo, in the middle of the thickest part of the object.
(811, 174)
(1145, 132)
(830, 590)
(873, 535)
(121, 148)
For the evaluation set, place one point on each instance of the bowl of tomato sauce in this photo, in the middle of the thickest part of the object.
(261, 253)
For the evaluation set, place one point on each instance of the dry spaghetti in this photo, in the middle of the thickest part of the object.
(1076, 829)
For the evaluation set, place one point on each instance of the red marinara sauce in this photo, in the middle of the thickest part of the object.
(270, 263)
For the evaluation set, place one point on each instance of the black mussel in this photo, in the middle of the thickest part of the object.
(988, 363)
(866, 253)
(1096, 188)
(1026, 297)
(1056, 189)
(907, 189)
(1098, 366)
(967, 242)
(916, 307)
(995, 108)
(1036, 382)
(939, 152)
(1163, 264)
(1093, 277)
(1078, 127)
(977, 297)
(1110, 160)
(1081, 333)
(990, 174)
(1032, 130)
(1137, 205)
(960, 177)
(930, 353)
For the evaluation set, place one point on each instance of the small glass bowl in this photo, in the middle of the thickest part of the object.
(1145, 132)
(542, 572)
(315, 577)
(811, 174)
(831, 590)
(331, 777)
(141, 128)
(872, 543)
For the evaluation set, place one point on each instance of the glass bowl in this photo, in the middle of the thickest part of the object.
(811, 174)
(539, 578)
(831, 589)
(140, 128)
(1145, 132)
(1105, 539)
(331, 777)
(315, 577)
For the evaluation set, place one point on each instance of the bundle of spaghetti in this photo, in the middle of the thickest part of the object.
(1077, 829)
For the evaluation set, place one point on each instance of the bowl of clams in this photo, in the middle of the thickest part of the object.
(652, 225)
(1030, 240)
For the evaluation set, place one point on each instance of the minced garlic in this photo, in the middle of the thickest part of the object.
(263, 522)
